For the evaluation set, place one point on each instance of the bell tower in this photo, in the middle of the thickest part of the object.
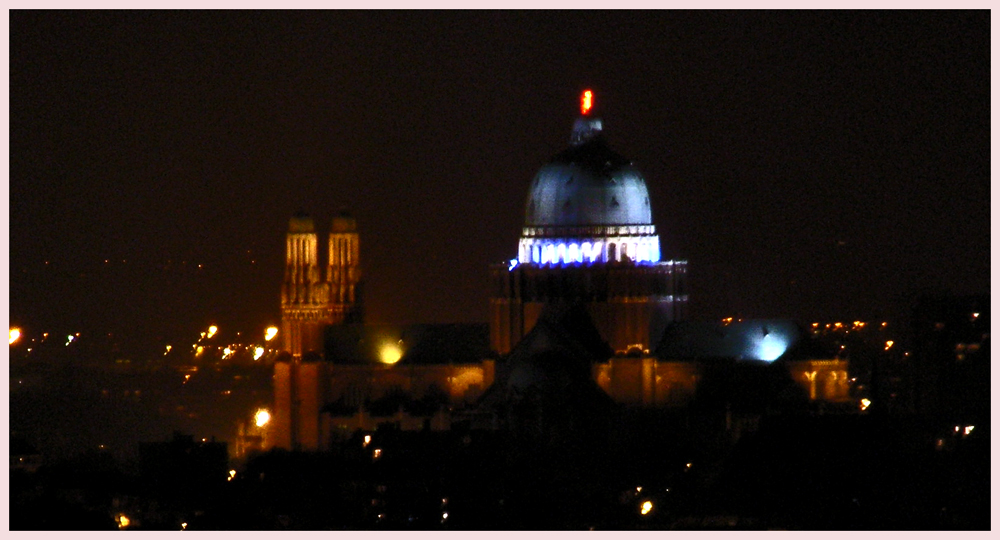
(343, 272)
(305, 298)
(310, 302)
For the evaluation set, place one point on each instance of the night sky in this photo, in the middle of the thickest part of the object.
(809, 165)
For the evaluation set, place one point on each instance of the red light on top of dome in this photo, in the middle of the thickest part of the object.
(586, 102)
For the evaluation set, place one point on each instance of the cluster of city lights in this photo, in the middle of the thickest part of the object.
(964, 430)
(230, 350)
(16, 334)
(843, 327)
(161, 264)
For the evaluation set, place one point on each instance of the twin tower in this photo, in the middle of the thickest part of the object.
(313, 297)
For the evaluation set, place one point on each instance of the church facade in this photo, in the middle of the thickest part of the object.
(314, 296)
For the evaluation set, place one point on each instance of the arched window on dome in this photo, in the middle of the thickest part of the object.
(596, 252)
(548, 254)
(560, 253)
(623, 256)
(536, 255)
(573, 253)
(612, 255)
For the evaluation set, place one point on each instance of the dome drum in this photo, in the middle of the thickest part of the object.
(576, 250)
(663, 282)
(591, 231)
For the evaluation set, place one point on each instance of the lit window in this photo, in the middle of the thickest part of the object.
(548, 254)
(643, 252)
(573, 253)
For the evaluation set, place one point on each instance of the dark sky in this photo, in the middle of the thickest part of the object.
(812, 165)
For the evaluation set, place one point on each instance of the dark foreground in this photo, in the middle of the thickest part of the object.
(802, 471)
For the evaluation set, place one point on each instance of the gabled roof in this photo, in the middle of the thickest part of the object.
(555, 357)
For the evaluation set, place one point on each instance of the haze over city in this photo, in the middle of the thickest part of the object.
(810, 165)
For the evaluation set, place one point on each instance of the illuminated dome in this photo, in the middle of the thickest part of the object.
(588, 184)
(588, 205)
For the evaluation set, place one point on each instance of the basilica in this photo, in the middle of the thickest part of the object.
(588, 316)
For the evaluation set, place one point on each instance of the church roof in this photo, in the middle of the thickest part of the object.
(417, 344)
(554, 359)
(764, 340)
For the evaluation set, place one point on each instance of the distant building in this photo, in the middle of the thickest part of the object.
(338, 374)
(586, 318)
(951, 357)
(313, 297)
(589, 237)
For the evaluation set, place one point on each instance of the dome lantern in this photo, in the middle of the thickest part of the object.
(588, 204)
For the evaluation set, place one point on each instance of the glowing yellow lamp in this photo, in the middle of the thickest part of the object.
(390, 354)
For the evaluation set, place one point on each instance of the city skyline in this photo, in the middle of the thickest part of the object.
(807, 165)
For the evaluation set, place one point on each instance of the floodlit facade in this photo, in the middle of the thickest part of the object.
(313, 297)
